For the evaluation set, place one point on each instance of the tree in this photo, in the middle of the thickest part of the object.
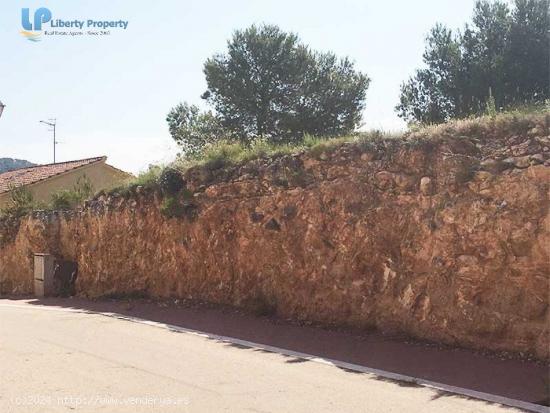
(527, 56)
(502, 56)
(432, 94)
(270, 85)
(484, 45)
(193, 129)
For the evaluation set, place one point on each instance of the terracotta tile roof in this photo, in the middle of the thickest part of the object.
(33, 174)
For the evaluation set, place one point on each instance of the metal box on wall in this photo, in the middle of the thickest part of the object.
(43, 274)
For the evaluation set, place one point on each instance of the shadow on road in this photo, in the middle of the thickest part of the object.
(516, 379)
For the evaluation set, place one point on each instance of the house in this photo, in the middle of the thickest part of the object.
(44, 180)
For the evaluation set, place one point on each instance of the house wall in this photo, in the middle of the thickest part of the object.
(101, 175)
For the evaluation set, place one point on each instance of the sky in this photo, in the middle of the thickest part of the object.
(110, 94)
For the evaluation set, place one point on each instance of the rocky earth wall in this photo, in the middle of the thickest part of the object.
(445, 240)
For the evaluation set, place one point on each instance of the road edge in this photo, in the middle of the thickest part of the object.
(310, 357)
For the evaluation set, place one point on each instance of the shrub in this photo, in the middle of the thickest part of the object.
(70, 198)
(64, 200)
(171, 181)
(172, 208)
(148, 178)
(21, 202)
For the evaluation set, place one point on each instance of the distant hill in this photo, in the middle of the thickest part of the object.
(9, 164)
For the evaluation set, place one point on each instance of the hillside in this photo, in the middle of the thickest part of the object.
(9, 164)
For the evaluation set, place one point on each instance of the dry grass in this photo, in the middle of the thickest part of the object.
(488, 127)
(226, 153)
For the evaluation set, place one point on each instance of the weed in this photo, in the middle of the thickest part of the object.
(172, 207)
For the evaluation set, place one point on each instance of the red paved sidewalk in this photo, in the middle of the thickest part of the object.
(516, 379)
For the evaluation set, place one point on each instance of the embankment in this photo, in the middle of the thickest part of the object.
(444, 237)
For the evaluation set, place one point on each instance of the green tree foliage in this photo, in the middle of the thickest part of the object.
(270, 85)
(66, 199)
(20, 202)
(527, 56)
(170, 181)
(193, 129)
(501, 57)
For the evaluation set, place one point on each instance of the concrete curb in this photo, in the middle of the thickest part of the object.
(342, 364)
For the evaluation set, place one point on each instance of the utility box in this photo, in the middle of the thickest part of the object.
(44, 275)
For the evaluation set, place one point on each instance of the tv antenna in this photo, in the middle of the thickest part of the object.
(51, 123)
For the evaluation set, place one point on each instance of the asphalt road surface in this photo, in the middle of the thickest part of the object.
(55, 360)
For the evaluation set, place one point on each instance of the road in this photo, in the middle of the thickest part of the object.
(57, 360)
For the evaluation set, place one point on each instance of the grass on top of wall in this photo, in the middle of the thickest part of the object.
(227, 153)
(502, 124)
(532, 120)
